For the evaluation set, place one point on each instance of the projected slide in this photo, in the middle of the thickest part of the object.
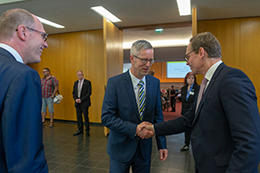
(177, 69)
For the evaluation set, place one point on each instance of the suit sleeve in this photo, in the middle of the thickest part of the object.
(161, 140)
(88, 91)
(240, 106)
(74, 93)
(175, 126)
(110, 117)
(22, 128)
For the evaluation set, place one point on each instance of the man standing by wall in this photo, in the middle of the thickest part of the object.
(22, 40)
(130, 99)
(81, 95)
(49, 88)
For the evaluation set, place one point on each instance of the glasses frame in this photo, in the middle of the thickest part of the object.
(43, 34)
(145, 60)
(187, 56)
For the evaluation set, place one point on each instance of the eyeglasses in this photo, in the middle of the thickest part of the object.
(43, 34)
(145, 60)
(187, 56)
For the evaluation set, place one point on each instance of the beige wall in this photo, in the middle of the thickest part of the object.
(240, 40)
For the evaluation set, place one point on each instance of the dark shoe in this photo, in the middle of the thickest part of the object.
(185, 148)
(87, 133)
(77, 133)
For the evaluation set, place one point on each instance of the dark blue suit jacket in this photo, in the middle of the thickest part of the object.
(226, 128)
(120, 115)
(21, 147)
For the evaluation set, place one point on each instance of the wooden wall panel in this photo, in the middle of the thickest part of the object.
(240, 40)
(113, 42)
(68, 53)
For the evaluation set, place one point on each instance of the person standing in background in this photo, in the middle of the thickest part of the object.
(81, 95)
(50, 86)
(172, 97)
(22, 40)
(189, 92)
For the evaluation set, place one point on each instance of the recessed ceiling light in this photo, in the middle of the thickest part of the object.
(106, 14)
(9, 1)
(47, 22)
(184, 7)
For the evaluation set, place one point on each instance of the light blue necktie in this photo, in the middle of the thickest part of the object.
(141, 98)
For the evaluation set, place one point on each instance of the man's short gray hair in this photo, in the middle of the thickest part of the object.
(139, 45)
(207, 41)
(11, 19)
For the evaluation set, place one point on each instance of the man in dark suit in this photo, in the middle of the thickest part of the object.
(81, 95)
(22, 40)
(224, 120)
(130, 99)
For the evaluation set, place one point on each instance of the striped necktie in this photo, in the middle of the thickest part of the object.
(141, 99)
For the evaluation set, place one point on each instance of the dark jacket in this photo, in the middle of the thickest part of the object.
(225, 134)
(120, 114)
(21, 147)
(187, 104)
(85, 93)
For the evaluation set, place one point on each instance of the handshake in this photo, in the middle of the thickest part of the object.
(145, 130)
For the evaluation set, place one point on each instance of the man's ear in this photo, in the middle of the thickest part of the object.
(21, 32)
(131, 58)
(202, 52)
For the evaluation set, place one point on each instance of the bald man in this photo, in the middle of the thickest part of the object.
(22, 40)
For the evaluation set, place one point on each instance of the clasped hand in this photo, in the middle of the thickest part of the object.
(145, 130)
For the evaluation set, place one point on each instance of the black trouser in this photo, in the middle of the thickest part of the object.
(187, 136)
(80, 109)
(173, 101)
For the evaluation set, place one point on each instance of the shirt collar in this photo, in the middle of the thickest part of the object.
(11, 50)
(212, 70)
(135, 80)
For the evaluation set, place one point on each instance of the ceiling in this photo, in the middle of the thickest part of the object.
(76, 15)
(139, 18)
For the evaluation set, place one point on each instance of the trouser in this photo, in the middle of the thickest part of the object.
(173, 101)
(79, 110)
(138, 164)
(187, 137)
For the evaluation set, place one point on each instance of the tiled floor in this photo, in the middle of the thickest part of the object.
(68, 154)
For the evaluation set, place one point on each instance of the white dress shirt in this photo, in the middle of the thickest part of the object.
(135, 82)
(12, 51)
(80, 83)
(209, 74)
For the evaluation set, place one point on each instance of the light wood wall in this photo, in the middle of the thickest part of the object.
(160, 72)
(68, 53)
(113, 43)
(240, 40)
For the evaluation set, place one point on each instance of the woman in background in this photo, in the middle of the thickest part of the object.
(189, 93)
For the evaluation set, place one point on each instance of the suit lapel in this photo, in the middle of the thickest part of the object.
(130, 92)
(208, 89)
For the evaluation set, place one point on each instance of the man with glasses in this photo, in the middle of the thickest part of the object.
(130, 99)
(22, 40)
(224, 120)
